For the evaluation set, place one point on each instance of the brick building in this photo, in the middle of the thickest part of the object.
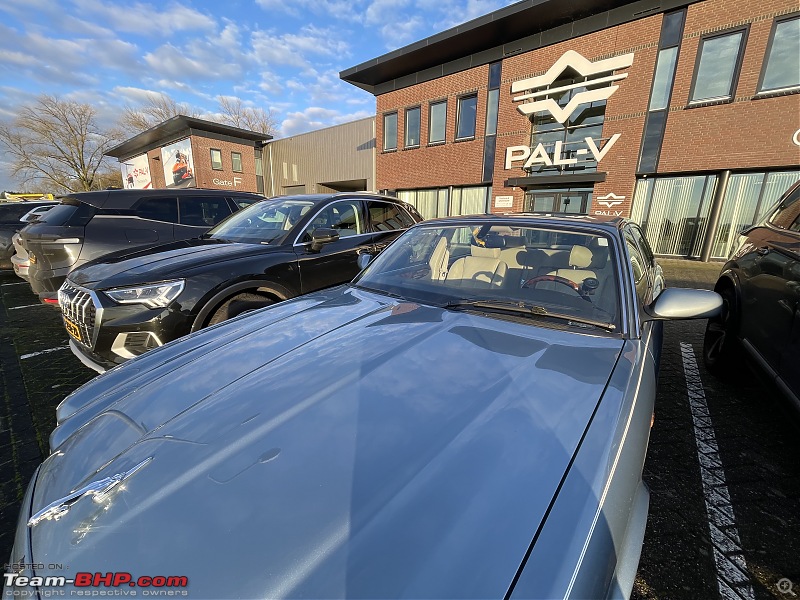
(682, 115)
(190, 152)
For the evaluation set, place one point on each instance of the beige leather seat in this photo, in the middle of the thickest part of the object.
(439, 260)
(482, 269)
(580, 257)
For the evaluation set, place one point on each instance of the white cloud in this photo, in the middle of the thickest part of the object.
(345, 10)
(315, 117)
(147, 19)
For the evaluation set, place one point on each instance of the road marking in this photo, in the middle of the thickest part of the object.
(733, 579)
(32, 354)
(26, 306)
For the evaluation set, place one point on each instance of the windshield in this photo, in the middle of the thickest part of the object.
(536, 270)
(266, 222)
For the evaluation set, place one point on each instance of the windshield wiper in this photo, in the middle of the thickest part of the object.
(524, 308)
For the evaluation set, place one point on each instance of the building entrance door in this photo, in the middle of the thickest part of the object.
(574, 201)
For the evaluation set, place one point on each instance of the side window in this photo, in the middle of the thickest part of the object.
(244, 201)
(388, 217)
(158, 209)
(639, 264)
(202, 211)
(787, 215)
(643, 245)
(345, 217)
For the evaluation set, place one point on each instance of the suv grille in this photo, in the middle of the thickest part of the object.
(78, 306)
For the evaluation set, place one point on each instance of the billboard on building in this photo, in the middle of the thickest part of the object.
(178, 164)
(136, 173)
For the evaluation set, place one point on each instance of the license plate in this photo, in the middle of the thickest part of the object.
(73, 329)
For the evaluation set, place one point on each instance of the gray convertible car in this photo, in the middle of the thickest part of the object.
(467, 419)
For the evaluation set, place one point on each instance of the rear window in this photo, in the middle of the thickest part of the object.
(70, 212)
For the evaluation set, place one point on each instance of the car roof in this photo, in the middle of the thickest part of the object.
(560, 219)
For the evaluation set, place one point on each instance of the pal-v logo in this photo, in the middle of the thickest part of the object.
(601, 88)
(597, 83)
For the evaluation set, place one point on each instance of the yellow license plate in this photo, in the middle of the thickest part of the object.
(73, 329)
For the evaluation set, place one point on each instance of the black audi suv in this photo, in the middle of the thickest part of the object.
(124, 304)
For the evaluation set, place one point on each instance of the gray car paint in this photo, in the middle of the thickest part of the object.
(369, 484)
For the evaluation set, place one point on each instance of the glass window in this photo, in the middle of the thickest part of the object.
(412, 127)
(429, 203)
(236, 161)
(344, 216)
(787, 214)
(390, 131)
(467, 114)
(244, 201)
(216, 159)
(437, 122)
(782, 64)
(200, 211)
(158, 209)
(388, 217)
(662, 84)
(263, 222)
(469, 200)
(718, 62)
(639, 265)
(492, 102)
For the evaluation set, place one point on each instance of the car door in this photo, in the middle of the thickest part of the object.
(336, 262)
(198, 214)
(387, 221)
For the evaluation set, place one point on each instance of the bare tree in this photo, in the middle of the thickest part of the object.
(156, 109)
(235, 113)
(59, 143)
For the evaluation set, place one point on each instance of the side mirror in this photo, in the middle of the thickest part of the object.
(682, 303)
(322, 236)
(364, 260)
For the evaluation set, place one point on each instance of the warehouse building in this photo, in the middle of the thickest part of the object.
(682, 115)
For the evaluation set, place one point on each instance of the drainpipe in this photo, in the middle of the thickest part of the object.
(713, 216)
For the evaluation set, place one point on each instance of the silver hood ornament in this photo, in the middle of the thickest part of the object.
(99, 490)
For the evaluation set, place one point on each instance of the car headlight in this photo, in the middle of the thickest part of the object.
(156, 295)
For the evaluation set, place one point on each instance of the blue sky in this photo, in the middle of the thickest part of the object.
(277, 55)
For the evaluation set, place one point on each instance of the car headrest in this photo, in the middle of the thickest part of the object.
(580, 257)
(514, 241)
(481, 252)
(494, 240)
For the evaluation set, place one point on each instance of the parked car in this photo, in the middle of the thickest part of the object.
(88, 225)
(13, 217)
(468, 419)
(760, 287)
(122, 305)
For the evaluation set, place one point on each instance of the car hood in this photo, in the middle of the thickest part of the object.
(343, 444)
(160, 262)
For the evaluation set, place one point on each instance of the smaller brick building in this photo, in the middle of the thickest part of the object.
(681, 114)
(190, 152)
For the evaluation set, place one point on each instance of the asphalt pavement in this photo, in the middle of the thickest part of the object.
(722, 466)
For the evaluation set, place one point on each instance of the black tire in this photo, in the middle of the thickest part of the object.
(722, 352)
(238, 304)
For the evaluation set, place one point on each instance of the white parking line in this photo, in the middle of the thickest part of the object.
(32, 354)
(26, 306)
(733, 579)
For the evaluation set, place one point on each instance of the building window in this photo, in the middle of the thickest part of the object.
(390, 131)
(782, 62)
(437, 122)
(412, 127)
(259, 171)
(438, 202)
(719, 59)
(466, 119)
(216, 159)
(493, 101)
(236, 161)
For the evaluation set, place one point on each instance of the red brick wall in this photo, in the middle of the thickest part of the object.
(743, 134)
(226, 179)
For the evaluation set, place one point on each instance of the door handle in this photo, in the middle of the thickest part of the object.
(762, 251)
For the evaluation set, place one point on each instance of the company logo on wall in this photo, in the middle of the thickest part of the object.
(598, 78)
(136, 172)
(178, 164)
(540, 86)
(610, 200)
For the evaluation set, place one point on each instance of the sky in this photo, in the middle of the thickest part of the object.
(279, 55)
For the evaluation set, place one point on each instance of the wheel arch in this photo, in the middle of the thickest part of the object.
(270, 289)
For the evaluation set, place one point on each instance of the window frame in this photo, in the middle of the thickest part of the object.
(765, 61)
(396, 124)
(431, 104)
(211, 155)
(233, 162)
(418, 108)
(458, 116)
(737, 66)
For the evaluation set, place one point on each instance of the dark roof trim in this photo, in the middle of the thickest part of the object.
(518, 28)
(178, 127)
(539, 181)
